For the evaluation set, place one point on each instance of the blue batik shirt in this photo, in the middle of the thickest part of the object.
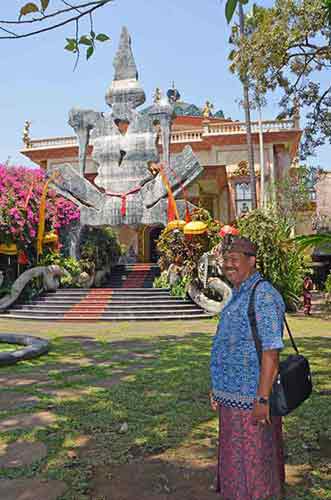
(234, 362)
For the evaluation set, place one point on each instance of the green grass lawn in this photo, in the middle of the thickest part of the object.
(163, 399)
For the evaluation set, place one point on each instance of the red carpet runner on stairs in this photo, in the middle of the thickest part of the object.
(98, 298)
(137, 276)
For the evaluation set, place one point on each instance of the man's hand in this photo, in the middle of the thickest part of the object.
(213, 403)
(261, 413)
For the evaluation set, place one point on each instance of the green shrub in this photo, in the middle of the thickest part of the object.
(327, 285)
(279, 258)
(161, 281)
(180, 288)
(73, 266)
(174, 247)
(101, 246)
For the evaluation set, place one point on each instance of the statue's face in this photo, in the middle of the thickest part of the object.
(122, 126)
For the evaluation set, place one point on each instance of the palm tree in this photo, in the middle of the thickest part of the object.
(230, 8)
(249, 140)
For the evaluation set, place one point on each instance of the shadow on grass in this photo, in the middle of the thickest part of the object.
(164, 401)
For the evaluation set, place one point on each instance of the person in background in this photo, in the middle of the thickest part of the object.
(307, 288)
(250, 462)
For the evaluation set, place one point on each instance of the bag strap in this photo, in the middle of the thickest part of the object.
(253, 323)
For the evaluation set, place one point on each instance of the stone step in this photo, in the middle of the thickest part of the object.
(168, 302)
(120, 296)
(111, 317)
(108, 307)
(100, 291)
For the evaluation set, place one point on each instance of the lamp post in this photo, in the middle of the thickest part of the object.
(262, 169)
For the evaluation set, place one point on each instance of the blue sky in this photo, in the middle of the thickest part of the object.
(185, 41)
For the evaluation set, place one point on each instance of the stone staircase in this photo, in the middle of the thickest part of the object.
(134, 276)
(129, 296)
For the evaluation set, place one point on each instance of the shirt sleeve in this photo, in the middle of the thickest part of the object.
(269, 310)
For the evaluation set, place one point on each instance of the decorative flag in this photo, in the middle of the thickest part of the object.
(42, 215)
(172, 207)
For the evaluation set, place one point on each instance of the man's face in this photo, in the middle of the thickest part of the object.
(237, 267)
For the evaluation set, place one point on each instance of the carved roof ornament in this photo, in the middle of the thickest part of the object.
(242, 169)
(208, 109)
(124, 63)
(125, 93)
(26, 133)
(173, 94)
(157, 96)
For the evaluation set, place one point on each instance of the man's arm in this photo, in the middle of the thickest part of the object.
(269, 370)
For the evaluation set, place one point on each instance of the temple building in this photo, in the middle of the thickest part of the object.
(215, 176)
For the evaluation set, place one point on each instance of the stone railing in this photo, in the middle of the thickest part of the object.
(52, 142)
(184, 136)
(240, 127)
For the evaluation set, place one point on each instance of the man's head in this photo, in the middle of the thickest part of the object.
(239, 259)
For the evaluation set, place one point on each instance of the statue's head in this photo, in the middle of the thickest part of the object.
(122, 125)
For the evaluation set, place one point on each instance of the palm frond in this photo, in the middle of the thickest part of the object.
(312, 240)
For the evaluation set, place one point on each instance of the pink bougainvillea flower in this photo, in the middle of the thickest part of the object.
(20, 194)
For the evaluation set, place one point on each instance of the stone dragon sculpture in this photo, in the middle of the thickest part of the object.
(50, 276)
(210, 291)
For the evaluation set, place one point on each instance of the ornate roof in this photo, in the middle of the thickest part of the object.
(182, 108)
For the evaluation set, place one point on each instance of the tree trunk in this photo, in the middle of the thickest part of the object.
(249, 140)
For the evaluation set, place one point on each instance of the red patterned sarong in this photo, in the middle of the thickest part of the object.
(251, 460)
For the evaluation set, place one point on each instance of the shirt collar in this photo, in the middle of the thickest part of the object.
(248, 283)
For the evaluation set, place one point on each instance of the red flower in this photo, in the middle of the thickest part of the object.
(228, 230)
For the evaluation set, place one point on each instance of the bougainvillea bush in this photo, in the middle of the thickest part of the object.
(20, 195)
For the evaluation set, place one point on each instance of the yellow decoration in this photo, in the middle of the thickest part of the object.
(195, 227)
(8, 248)
(50, 238)
(176, 224)
(42, 215)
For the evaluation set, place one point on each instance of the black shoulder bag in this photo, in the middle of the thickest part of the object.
(293, 384)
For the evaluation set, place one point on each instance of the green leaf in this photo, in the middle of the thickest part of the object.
(243, 2)
(71, 45)
(44, 4)
(101, 37)
(92, 35)
(85, 40)
(89, 52)
(28, 8)
(232, 55)
(230, 7)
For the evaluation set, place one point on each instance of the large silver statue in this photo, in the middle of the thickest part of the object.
(126, 144)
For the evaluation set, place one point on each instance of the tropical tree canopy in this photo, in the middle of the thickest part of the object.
(289, 48)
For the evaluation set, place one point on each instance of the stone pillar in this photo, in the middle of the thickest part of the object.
(74, 240)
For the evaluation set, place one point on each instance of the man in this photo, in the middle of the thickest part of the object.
(251, 465)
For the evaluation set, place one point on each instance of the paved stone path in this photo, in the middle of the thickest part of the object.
(31, 489)
(27, 421)
(21, 453)
(10, 400)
